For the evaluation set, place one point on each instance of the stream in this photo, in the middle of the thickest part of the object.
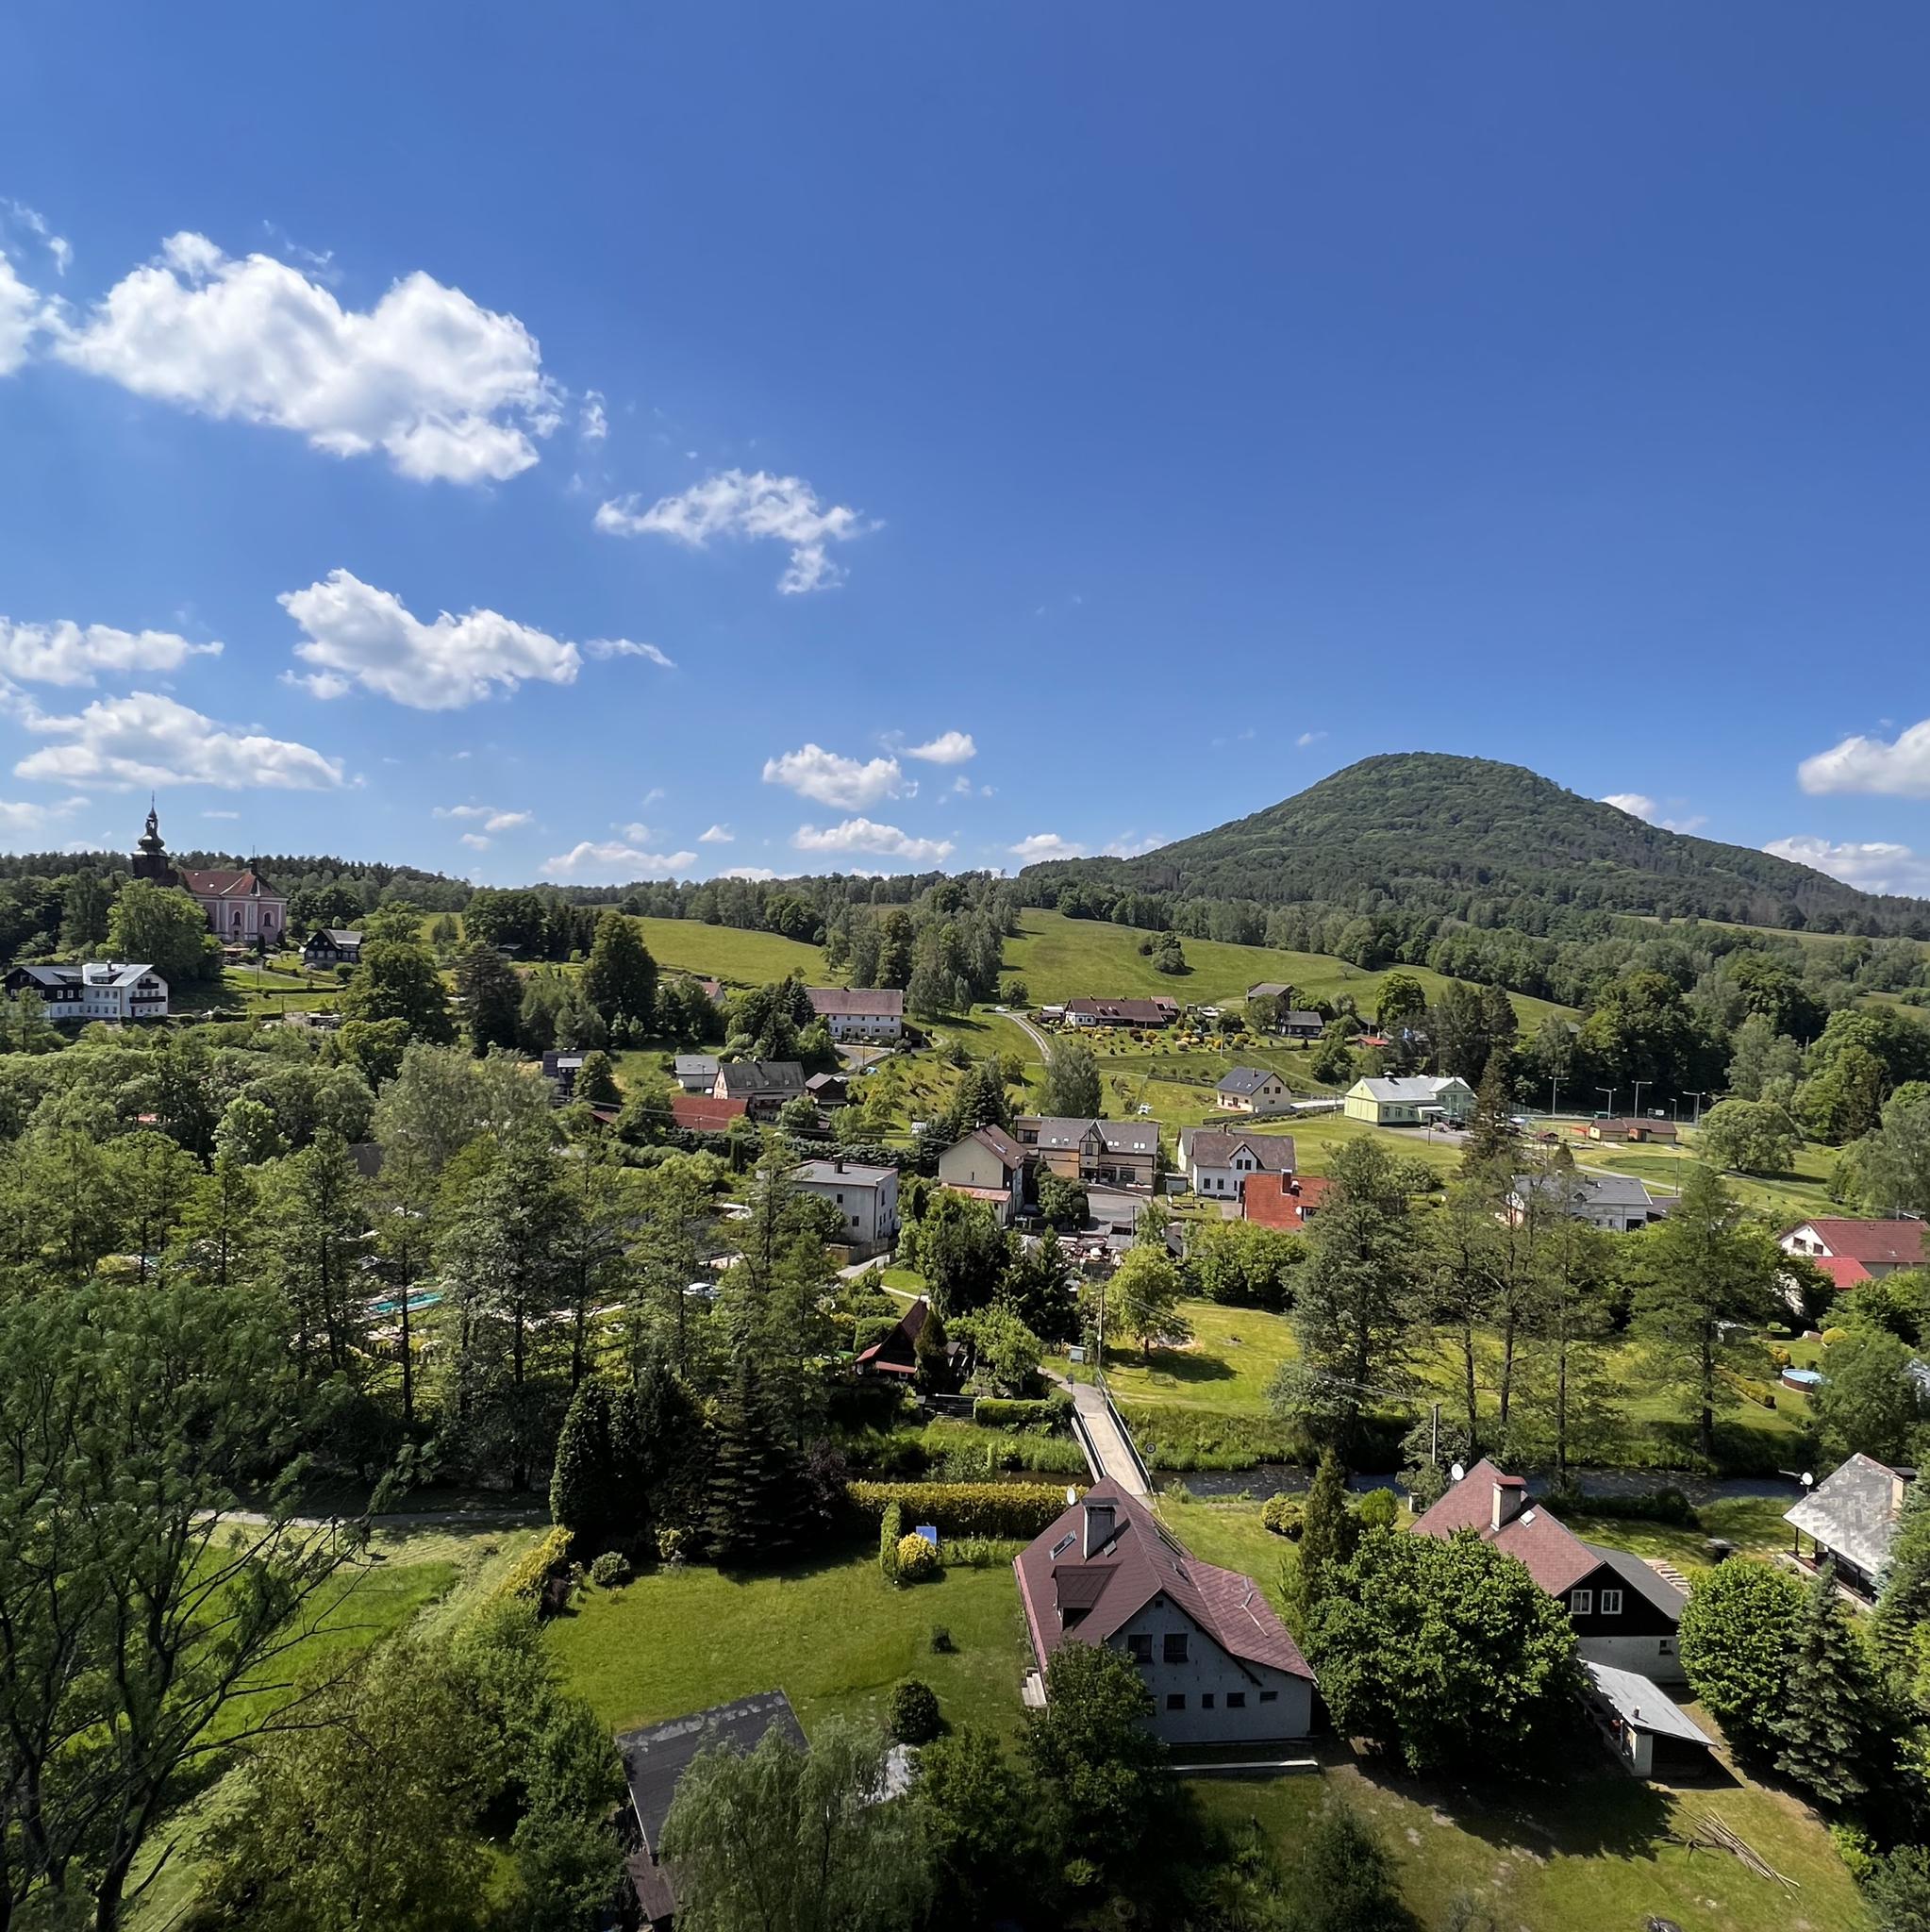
(1271, 1478)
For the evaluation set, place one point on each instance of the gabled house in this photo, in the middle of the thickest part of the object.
(1409, 1100)
(763, 1086)
(1624, 1614)
(1287, 1201)
(987, 1165)
(1850, 1251)
(1636, 1127)
(1614, 1202)
(1157, 1012)
(865, 1197)
(329, 946)
(1253, 1090)
(1218, 1663)
(1218, 1161)
(241, 905)
(1851, 1518)
(872, 1014)
(1294, 1022)
(1111, 1153)
(98, 990)
(896, 1355)
(696, 1073)
(698, 1113)
(560, 1066)
(828, 1089)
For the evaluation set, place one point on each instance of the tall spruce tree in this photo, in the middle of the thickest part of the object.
(1902, 1624)
(1326, 1541)
(1492, 1132)
(1827, 1725)
(747, 1516)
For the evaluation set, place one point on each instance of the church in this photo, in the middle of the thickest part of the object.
(242, 908)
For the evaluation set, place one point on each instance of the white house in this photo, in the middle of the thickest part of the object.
(99, 990)
(1217, 1161)
(1220, 1665)
(1408, 1101)
(987, 1165)
(1253, 1090)
(866, 1197)
(871, 1014)
(1613, 1202)
(1850, 1251)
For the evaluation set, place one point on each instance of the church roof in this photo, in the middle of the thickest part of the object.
(217, 883)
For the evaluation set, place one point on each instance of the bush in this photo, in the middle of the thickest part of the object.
(917, 1558)
(1377, 1509)
(891, 1533)
(531, 1571)
(979, 1552)
(611, 1570)
(912, 1715)
(1285, 1516)
(942, 1641)
(1001, 1412)
(672, 1545)
(1004, 1510)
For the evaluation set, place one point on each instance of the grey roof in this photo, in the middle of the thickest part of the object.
(1601, 1189)
(1643, 1707)
(849, 1173)
(1642, 1579)
(657, 1755)
(1854, 1512)
(1423, 1090)
(1246, 1080)
(749, 1079)
(1117, 1136)
(336, 935)
(90, 973)
(1216, 1147)
(691, 1066)
(1268, 988)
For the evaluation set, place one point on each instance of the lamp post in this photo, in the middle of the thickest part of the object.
(1636, 1106)
(1609, 1095)
(1698, 1098)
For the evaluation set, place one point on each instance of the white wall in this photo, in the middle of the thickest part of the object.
(1208, 1670)
(1646, 1656)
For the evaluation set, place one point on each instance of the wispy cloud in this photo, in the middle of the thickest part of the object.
(751, 507)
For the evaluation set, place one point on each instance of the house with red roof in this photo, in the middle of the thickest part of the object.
(1850, 1251)
(698, 1113)
(1220, 1665)
(1283, 1200)
(1625, 1615)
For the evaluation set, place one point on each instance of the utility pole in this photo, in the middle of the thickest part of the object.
(1553, 1095)
(1635, 1108)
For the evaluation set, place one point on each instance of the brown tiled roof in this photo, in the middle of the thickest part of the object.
(1137, 1563)
(1000, 1145)
(218, 884)
(857, 1002)
(1282, 1200)
(699, 1114)
(1881, 1243)
(1552, 1553)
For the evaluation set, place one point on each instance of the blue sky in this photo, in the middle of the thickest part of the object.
(875, 435)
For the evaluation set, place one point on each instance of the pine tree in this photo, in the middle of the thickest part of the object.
(745, 1514)
(1903, 1612)
(1826, 1724)
(596, 1082)
(490, 995)
(1326, 1541)
(580, 1476)
(1492, 1133)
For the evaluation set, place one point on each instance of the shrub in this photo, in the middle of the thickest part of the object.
(1004, 1510)
(672, 1545)
(1377, 1509)
(531, 1571)
(912, 1715)
(917, 1558)
(611, 1570)
(1001, 1412)
(979, 1552)
(1832, 1336)
(891, 1533)
(942, 1641)
(1285, 1516)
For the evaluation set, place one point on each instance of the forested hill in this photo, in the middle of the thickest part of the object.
(1491, 842)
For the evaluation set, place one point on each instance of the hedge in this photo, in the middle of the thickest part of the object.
(526, 1575)
(891, 1533)
(997, 1412)
(991, 1509)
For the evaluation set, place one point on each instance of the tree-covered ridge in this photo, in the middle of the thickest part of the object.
(1489, 842)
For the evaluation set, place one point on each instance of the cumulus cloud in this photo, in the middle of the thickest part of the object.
(1873, 866)
(609, 859)
(29, 817)
(360, 635)
(489, 817)
(449, 390)
(1638, 804)
(1899, 768)
(68, 652)
(756, 872)
(1042, 846)
(862, 835)
(717, 835)
(784, 510)
(626, 647)
(144, 739)
(833, 779)
(947, 748)
(23, 313)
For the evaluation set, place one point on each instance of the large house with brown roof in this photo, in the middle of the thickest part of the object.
(872, 1014)
(987, 1165)
(1122, 1154)
(1624, 1614)
(1220, 1665)
(1218, 1161)
(1157, 1012)
(240, 906)
(1850, 1251)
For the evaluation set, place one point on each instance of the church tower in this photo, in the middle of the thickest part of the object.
(150, 859)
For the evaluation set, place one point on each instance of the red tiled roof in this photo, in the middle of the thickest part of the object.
(853, 1002)
(217, 884)
(1552, 1555)
(1282, 1200)
(1884, 1243)
(1845, 1270)
(699, 1114)
(1137, 1563)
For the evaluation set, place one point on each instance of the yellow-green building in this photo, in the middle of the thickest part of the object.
(1410, 1100)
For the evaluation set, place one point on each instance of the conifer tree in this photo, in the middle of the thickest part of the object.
(1826, 1724)
(1326, 1540)
(1492, 1133)
(1902, 1624)
(621, 977)
(580, 1478)
(596, 1082)
(745, 1514)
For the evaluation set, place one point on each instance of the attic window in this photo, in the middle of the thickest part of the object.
(1527, 1516)
(1065, 1543)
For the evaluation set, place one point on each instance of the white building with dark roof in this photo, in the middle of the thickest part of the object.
(1217, 1161)
(865, 1197)
(98, 990)
(1614, 1202)
(873, 1015)
(1253, 1090)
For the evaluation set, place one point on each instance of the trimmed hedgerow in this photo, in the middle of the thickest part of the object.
(999, 1412)
(992, 1509)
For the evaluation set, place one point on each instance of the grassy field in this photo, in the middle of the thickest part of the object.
(830, 1633)
(1227, 1365)
(1787, 1199)
(736, 958)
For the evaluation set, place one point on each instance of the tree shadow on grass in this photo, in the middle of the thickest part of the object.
(1181, 1365)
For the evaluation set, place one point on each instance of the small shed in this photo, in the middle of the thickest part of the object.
(1650, 1733)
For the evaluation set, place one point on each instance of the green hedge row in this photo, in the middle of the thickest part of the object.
(978, 1510)
(998, 1412)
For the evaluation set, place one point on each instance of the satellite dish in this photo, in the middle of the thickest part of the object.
(1806, 1479)
(1457, 1472)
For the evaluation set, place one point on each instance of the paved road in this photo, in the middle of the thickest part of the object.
(1107, 1449)
(1026, 1028)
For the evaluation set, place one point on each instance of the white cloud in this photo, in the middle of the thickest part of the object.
(29, 816)
(717, 835)
(833, 779)
(749, 872)
(731, 504)
(487, 816)
(593, 425)
(37, 225)
(1308, 738)
(221, 814)
(635, 833)
(69, 653)
(144, 739)
(610, 859)
(359, 633)
(1041, 845)
(1875, 866)
(1130, 845)
(624, 647)
(862, 835)
(1899, 769)
(476, 842)
(947, 748)
(1637, 805)
(22, 315)
(448, 390)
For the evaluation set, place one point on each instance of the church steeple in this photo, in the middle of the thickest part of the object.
(151, 859)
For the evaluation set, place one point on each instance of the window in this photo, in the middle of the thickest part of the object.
(1176, 1700)
(1140, 1647)
(1270, 1696)
(1206, 1700)
(1666, 1648)
(1175, 1647)
(1236, 1700)
(1612, 1603)
(1582, 1601)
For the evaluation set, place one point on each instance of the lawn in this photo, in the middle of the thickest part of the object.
(1227, 1365)
(830, 1633)
(1784, 1199)
(733, 956)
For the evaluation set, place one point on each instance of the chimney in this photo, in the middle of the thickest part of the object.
(1510, 1493)
(841, 1163)
(1098, 1528)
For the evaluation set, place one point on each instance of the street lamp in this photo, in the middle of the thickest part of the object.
(1636, 1106)
(1609, 1095)
(1698, 1098)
